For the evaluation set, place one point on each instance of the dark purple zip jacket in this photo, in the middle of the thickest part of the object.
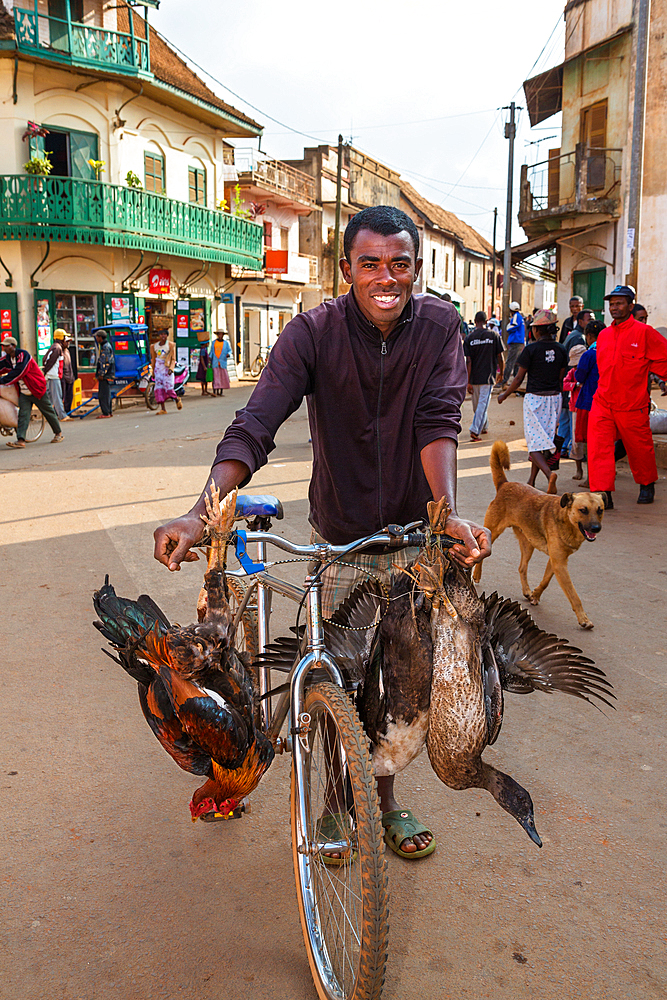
(373, 405)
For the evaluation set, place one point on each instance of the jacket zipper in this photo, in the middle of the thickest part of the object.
(383, 352)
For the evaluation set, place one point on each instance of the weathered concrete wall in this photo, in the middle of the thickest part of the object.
(591, 21)
(652, 282)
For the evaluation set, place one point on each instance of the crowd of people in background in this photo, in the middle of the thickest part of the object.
(587, 395)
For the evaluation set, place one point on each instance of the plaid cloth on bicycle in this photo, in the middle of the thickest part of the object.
(338, 581)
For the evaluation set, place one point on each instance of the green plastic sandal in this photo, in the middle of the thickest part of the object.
(399, 824)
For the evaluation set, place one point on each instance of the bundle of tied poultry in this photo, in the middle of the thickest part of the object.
(427, 666)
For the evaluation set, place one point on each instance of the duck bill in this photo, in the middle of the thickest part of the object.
(529, 826)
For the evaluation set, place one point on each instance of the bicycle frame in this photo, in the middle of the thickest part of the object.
(291, 702)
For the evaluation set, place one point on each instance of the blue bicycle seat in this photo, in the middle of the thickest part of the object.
(261, 505)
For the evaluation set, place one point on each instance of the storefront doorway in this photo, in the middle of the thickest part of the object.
(251, 336)
(76, 313)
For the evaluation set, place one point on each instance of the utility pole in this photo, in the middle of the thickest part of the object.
(339, 198)
(642, 12)
(493, 272)
(510, 133)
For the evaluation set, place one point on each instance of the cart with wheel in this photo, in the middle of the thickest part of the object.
(129, 342)
(335, 812)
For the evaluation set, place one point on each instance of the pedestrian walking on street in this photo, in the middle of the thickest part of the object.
(204, 368)
(52, 366)
(163, 361)
(70, 373)
(576, 338)
(222, 350)
(516, 340)
(626, 352)
(576, 305)
(483, 350)
(17, 366)
(104, 373)
(545, 363)
(586, 378)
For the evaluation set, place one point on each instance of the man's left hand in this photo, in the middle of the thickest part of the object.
(476, 541)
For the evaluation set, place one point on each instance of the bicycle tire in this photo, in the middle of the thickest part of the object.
(36, 425)
(249, 640)
(257, 366)
(359, 886)
(149, 396)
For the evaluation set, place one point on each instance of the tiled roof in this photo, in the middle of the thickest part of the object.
(449, 223)
(168, 67)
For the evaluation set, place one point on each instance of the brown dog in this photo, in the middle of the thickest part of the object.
(552, 524)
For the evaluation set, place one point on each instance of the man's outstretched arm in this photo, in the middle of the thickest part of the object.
(439, 463)
(174, 540)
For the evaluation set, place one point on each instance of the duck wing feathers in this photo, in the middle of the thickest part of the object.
(530, 659)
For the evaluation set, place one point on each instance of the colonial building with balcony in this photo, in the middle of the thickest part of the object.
(577, 199)
(113, 185)
(458, 261)
(277, 196)
(364, 182)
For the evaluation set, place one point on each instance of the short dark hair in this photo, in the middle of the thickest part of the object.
(547, 330)
(480, 317)
(639, 308)
(385, 220)
(594, 328)
(102, 334)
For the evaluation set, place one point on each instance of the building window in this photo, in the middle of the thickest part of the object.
(77, 315)
(154, 172)
(197, 185)
(284, 238)
(446, 268)
(433, 263)
(268, 234)
(593, 132)
(466, 272)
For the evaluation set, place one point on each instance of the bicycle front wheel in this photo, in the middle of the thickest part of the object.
(343, 902)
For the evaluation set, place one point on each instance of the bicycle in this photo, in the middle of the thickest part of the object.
(343, 902)
(259, 364)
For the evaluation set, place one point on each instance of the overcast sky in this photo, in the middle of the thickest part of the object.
(417, 84)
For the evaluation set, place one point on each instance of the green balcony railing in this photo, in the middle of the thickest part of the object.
(66, 209)
(81, 44)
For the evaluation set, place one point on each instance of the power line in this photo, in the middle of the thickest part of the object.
(417, 121)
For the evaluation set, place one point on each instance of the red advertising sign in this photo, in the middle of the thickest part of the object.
(5, 319)
(276, 261)
(182, 321)
(159, 280)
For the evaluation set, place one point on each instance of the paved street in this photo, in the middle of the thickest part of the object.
(109, 890)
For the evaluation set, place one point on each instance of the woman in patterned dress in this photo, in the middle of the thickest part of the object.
(163, 359)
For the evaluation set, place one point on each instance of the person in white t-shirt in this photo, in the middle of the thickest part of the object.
(52, 366)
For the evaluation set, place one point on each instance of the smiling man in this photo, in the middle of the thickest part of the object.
(384, 377)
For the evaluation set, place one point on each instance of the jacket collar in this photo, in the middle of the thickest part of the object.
(365, 326)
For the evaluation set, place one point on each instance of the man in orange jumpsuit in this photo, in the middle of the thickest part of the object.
(626, 351)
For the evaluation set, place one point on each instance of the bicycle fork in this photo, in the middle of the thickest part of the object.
(317, 656)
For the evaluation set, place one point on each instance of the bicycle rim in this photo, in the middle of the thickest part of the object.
(35, 425)
(343, 909)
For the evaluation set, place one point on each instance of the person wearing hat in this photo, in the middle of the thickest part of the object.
(516, 339)
(626, 351)
(52, 366)
(544, 361)
(17, 366)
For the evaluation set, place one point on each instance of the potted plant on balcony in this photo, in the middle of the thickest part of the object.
(98, 167)
(40, 165)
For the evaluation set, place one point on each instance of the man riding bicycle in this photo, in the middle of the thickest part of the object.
(384, 376)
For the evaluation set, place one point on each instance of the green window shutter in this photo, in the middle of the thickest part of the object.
(197, 185)
(36, 146)
(154, 173)
(83, 146)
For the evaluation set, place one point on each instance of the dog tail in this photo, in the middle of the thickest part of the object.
(499, 460)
